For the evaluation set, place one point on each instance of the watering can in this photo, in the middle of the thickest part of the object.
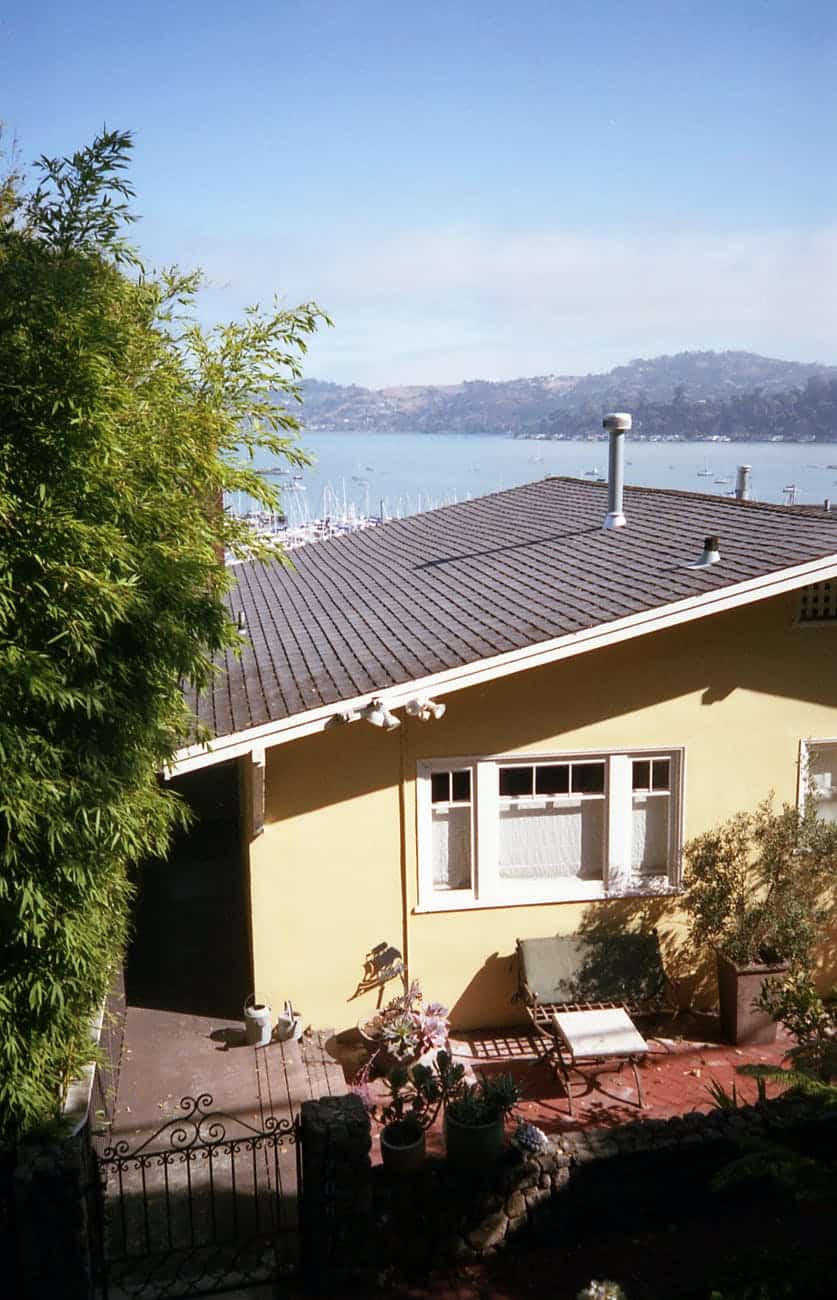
(288, 1024)
(256, 1021)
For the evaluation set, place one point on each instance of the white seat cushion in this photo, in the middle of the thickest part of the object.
(600, 1033)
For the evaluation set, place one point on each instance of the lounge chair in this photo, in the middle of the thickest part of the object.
(580, 992)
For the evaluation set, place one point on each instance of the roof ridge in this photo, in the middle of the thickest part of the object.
(691, 495)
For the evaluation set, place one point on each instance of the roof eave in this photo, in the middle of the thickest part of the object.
(479, 671)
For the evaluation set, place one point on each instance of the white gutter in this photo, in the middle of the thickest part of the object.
(311, 721)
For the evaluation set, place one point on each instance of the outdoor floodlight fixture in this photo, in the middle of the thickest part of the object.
(424, 709)
(379, 715)
(347, 715)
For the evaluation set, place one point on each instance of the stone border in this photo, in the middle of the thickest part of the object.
(437, 1217)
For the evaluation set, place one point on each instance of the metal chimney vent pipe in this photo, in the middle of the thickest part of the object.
(742, 483)
(617, 425)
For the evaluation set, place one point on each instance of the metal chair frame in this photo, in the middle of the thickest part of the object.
(553, 1045)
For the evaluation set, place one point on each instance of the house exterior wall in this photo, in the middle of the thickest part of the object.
(336, 870)
(325, 876)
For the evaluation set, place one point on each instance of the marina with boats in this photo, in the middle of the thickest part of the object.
(360, 480)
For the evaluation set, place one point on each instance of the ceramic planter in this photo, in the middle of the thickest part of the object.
(401, 1152)
(473, 1147)
(738, 988)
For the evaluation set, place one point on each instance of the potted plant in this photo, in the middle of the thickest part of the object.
(475, 1114)
(410, 1108)
(404, 1030)
(756, 891)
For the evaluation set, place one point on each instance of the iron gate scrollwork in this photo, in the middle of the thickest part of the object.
(205, 1205)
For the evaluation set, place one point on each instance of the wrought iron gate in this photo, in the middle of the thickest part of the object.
(206, 1204)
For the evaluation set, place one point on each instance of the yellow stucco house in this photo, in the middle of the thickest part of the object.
(607, 693)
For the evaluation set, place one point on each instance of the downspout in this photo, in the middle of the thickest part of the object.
(402, 811)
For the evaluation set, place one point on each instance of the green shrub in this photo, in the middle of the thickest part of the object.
(122, 425)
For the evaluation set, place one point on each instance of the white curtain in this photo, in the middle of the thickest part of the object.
(822, 780)
(551, 841)
(649, 834)
(452, 847)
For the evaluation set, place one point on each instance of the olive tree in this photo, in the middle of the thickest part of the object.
(123, 424)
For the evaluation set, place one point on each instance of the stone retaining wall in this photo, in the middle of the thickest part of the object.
(438, 1216)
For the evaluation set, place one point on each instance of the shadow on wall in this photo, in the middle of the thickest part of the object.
(189, 951)
(496, 981)
(693, 975)
(494, 985)
(712, 659)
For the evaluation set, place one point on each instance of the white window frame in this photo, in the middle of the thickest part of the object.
(805, 747)
(487, 890)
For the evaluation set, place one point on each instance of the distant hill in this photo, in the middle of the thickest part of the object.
(691, 394)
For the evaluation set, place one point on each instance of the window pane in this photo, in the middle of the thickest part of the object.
(661, 778)
(461, 783)
(452, 848)
(439, 787)
(515, 781)
(649, 838)
(822, 780)
(642, 774)
(588, 778)
(552, 843)
(554, 779)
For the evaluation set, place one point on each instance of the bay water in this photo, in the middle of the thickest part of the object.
(404, 473)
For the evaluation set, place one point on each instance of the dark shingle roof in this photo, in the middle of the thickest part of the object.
(419, 596)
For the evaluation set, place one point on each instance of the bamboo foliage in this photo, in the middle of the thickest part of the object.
(122, 425)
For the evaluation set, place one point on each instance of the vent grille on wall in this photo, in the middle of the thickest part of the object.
(818, 603)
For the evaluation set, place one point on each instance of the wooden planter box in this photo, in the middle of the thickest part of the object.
(738, 988)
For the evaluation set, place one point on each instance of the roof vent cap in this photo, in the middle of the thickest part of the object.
(711, 554)
(617, 424)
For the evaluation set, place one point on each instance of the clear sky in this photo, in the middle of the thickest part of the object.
(474, 188)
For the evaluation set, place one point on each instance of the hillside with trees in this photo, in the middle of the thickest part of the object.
(690, 395)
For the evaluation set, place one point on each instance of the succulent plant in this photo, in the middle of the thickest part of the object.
(602, 1291)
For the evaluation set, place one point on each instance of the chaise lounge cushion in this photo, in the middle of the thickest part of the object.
(615, 967)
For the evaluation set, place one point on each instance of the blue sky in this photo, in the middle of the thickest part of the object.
(472, 189)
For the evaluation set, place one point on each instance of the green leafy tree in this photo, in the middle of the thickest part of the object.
(122, 426)
(759, 887)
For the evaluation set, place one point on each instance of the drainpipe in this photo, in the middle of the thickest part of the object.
(617, 425)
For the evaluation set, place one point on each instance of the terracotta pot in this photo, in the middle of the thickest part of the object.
(402, 1157)
(738, 988)
(474, 1147)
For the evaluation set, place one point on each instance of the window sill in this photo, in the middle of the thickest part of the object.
(649, 889)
